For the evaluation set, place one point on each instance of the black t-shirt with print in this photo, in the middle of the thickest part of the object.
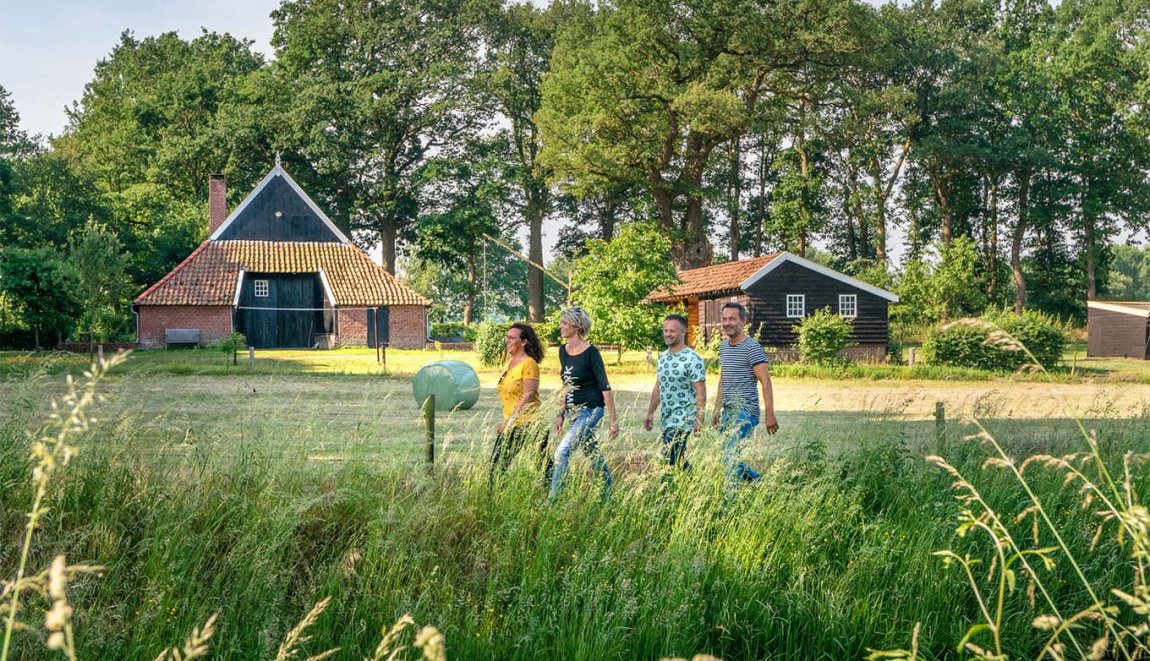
(585, 378)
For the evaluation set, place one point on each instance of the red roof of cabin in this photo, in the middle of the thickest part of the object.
(715, 279)
(209, 275)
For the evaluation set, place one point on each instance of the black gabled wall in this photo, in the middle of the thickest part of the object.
(296, 222)
(767, 305)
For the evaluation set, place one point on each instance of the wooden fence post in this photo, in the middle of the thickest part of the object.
(251, 358)
(383, 356)
(429, 427)
(100, 357)
(939, 424)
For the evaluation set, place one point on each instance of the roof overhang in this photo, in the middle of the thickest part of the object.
(1119, 307)
(785, 257)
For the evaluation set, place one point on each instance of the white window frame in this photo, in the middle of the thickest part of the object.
(850, 301)
(796, 302)
(259, 286)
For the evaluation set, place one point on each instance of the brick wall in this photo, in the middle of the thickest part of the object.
(214, 322)
(353, 327)
(407, 327)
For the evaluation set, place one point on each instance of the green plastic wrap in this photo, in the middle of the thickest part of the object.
(453, 382)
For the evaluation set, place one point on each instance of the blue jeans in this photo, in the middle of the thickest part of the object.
(736, 427)
(581, 433)
(675, 447)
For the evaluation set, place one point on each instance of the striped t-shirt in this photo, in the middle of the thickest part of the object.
(737, 374)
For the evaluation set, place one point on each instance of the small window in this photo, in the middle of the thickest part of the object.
(261, 288)
(796, 306)
(848, 305)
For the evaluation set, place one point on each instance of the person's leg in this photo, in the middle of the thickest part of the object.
(675, 447)
(580, 422)
(736, 428)
(544, 457)
(590, 444)
(497, 452)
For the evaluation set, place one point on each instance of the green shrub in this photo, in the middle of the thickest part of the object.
(1043, 334)
(822, 338)
(453, 331)
(973, 343)
(490, 347)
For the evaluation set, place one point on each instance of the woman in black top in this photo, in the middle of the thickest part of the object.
(587, 395)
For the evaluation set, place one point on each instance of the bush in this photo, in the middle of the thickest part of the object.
(822, 338)
(490, 348)
(453, 331)
(970, 344)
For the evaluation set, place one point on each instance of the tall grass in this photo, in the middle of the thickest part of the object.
(829, 557)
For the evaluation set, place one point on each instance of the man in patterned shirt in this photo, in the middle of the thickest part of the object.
(743, 368)
(680, 392)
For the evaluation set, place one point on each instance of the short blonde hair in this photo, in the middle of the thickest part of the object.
(578, 318)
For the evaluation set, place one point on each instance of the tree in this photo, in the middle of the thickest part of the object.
(43, 286)
(645, 91)
(463, 193)
(97, 258)
(373, 90)
(615, 277)
(521, 38)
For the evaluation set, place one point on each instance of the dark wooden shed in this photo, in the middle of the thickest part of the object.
(1117, 329)
(780, 290)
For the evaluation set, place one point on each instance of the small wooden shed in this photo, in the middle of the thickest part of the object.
(779, 291)
(1118, 329)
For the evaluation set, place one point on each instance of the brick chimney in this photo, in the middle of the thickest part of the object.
(217, 201)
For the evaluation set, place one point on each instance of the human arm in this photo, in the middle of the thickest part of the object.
(718, 403)
(609, 402)
(763, 374)
(649, 421)
(595, 362)
(700, 405)
(530, 388)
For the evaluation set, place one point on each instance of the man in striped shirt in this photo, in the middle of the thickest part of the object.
(743, 368)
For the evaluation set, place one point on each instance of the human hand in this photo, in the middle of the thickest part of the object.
(772, 423)
(558, 426)
(648, 422)
(614, 431)
(502, 427)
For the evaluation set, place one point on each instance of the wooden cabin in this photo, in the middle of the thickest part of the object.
(278, 270)
(778, 291)
(1118, 329)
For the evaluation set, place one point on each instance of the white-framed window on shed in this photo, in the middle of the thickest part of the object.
(848, 305)
(260, 288)
(796, 306)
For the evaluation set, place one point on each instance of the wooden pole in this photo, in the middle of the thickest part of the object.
(100, 357)
(429, 427)
(251, 358)
(939, 423)
(383, 356)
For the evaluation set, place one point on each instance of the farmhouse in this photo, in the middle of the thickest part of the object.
(1118, 329)
(778, 291)
(279, 271)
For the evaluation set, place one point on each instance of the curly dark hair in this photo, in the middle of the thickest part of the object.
(534, 347)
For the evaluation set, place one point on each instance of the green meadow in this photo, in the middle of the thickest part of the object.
(205, 488)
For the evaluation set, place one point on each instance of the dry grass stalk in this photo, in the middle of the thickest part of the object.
(289, 648)
(196, 645)
(52, 449)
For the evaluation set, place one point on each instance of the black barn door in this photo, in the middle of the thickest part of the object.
(377, 328)
(281, 311)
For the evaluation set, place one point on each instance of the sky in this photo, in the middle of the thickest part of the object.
(49, 48)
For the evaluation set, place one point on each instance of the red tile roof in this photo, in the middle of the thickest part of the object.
(208, 276)
(715, 279)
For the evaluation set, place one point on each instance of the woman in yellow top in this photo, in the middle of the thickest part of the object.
(519, 394)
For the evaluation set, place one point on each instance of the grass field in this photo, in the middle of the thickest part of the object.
(208, 488)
